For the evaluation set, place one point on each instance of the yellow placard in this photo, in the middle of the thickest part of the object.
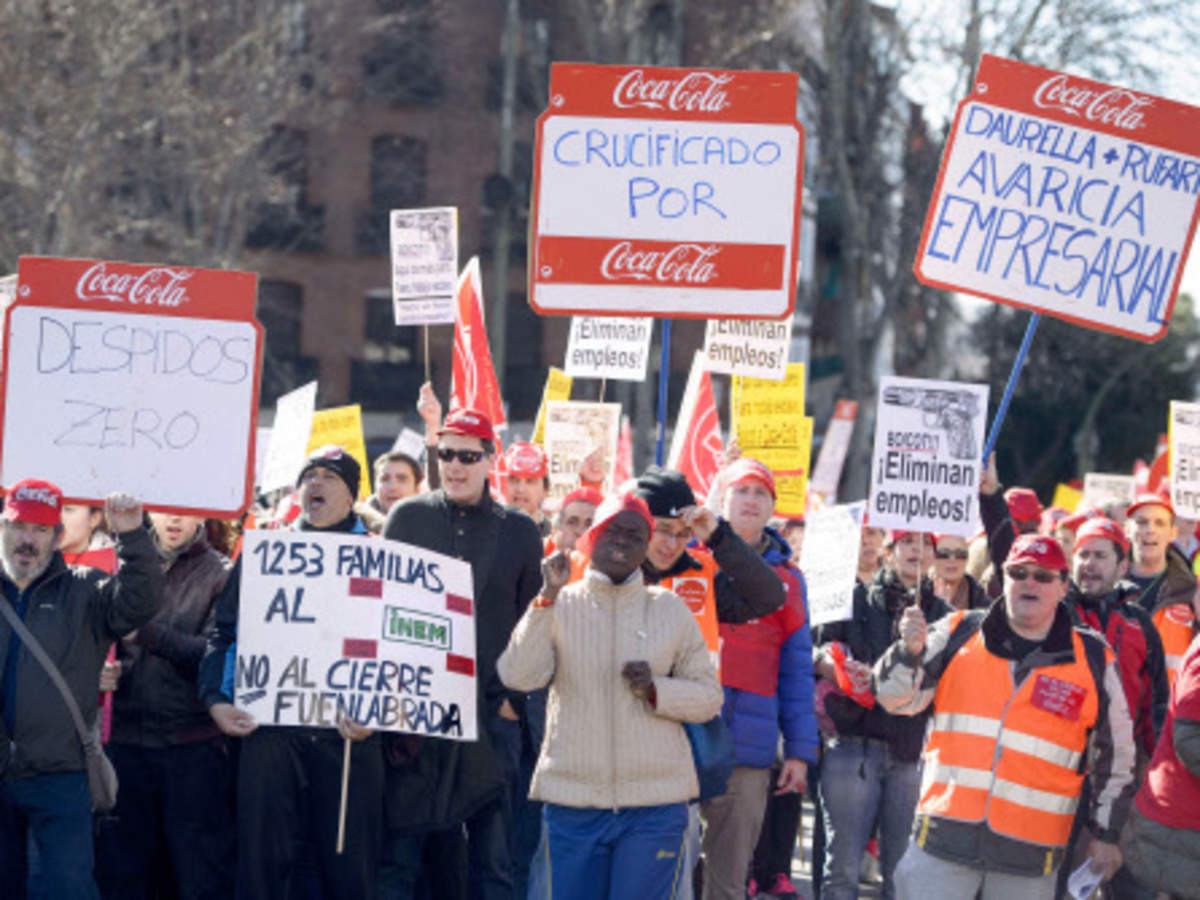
(1066, 497)
(558, 387)
(770, 425)
(342, 425)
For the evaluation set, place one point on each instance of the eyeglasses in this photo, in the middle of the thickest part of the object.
(466, 457)
(1041, 576)
(950, 554)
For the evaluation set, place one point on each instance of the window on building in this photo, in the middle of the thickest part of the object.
(284, 219)
(280, 312)
(397, 181)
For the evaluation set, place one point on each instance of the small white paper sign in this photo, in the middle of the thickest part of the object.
(331, 623)
(1104, 488)
(757, 348)
(411, 443)
(829, 561)
(1185, 458)
(289, 437)
(424, 246)
(616, 347)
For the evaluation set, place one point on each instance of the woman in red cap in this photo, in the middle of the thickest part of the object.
(626, 664)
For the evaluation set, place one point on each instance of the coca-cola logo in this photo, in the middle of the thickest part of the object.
(682, 264)
(36, 495)
(694, 92)
(1117, 107)
(159, 286)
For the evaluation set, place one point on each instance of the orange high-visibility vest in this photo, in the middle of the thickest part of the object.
(696, 588)
(1009, 756)
(1176, 626)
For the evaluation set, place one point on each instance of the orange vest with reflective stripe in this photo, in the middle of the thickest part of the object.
(1009, 756)
(696, 589)
(1176, 626)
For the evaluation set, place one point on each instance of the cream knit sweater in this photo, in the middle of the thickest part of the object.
(603, 746)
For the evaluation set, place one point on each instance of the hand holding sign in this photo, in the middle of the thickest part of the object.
(231, 720)
(700, 519)
(913, 630)
(124, 512)
(429, 408)
(556, 569)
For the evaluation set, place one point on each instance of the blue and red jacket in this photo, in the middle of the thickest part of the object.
(767, 672)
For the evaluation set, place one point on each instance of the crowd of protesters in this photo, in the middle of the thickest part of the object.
(996, 713)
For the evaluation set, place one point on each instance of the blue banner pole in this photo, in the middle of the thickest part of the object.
(663, 370)
(1002, 410)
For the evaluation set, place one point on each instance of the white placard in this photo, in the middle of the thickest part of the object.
(411, 443)
(424, 246)
(262, 441)
(1101, 489)
(616, 347)
(8, 293)
(100, 401)
(289, 437)
(1185, 458)
(928, 445)
(757, 348)
(829, 561)
(573, 430)
(332, 623)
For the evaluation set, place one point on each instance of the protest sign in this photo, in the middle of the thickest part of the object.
(1184, 435)
(573, 430)
(829, 561)
(1065, 196)
(342, 425)
(770, 425)
(121, 377)
(696, 444)
(668, 192)
(289, 437)
(1103, 489)
(609, 347)
(1066, 497)
(332, 623)
(424, 264)
(754, 347)
(261, 442)
(410, 443)
(557, 387)
(928, 441)
(827, 473)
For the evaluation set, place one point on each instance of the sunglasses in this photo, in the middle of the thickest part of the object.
(1041, 576)
(950, 554)
(466, 457)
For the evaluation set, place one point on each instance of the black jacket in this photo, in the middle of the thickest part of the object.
(156, 703)
(746, 587)
(75, 613)
(875, 625)
(432, 783)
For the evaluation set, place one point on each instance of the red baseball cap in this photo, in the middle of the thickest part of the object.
(1150, 500)
(35, 501)
(1101, 527)
(749, 469)
(1051, 518)
(582, 495)
(897, 534)
(526, 461)
(1023, 504)
(609, 510)
(468, 422)
(1038, 550)
(1073, 521)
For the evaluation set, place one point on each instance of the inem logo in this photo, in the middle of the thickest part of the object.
(412, 627)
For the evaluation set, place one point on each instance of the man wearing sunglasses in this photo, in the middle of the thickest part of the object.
(1026, 706)
(449, 783)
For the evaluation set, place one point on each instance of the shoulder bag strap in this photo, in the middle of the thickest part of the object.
(52, 670)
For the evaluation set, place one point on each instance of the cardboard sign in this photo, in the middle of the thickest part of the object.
(668, 192)
(121, 377)
(558, 387)
(1066, 497)
(342, 425)
(411, 443)
(609, 347)
(758, 348)
(827, 473)
(829, 560)
(1067, 197)
(770, 425)
(424, 264)
(1102, 489)
(289, 438)
(1184, 431)
(928, 445)
(334, 623)
(573, 430)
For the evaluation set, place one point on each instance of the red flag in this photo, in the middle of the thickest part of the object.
(623, 470)
(473, 378)
(696, 446)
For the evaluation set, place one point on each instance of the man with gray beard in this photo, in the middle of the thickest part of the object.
(75, 614)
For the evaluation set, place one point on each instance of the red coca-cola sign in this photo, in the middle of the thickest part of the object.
(681, 264)
(1117, 107)
(693, 92)
(155, 286)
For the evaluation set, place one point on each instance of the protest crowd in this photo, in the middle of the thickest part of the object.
(654, 701)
